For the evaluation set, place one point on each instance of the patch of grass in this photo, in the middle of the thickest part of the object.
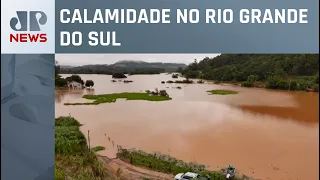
(111, 98)
(221, 92)
(73, 159)
(167, 164)
(98, 148)
(66, 121)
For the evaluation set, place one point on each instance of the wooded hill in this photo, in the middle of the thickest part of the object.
(126, 67)
(262, 67)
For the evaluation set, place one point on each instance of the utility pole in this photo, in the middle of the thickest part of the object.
(89, 139)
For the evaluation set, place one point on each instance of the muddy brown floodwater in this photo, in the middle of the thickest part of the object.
(265, 134)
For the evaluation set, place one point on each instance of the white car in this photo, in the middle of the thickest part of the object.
(185, 176)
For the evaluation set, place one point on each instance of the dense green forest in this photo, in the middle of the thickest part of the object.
(126, 67)
(277, 71)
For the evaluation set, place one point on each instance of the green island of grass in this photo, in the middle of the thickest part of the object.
(111, 98)
(169, 165)
(73, 159)
(221, 92)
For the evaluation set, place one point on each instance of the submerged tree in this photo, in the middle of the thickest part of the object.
(89, 83)
(75, 78)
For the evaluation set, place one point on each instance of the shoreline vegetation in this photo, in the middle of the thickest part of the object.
(185, 81)
(221, 92)
(169, 165)
(111, 98)
(74, 159)
(294, 72)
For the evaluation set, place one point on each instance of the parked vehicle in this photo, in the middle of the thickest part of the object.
(188, 175)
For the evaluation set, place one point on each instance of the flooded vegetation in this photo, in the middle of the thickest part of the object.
(222, 92)
(265, 134)
(175, 75)
(184, 81)
(111, 98)
(118, 75)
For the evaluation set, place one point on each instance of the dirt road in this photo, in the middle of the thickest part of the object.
(130, 172)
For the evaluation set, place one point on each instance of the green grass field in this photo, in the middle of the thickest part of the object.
(111, 98)
(221, 92)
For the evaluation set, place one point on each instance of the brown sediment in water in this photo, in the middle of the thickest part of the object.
(262, 132)
(284, 112)
(306, 110)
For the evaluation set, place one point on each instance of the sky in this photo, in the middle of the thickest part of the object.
(85, 59)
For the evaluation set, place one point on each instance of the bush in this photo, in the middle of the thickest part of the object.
(66, 121)
(272, 82)
(175, 76)
(75, 78)
(192, 74)
(316, 79)
(163, 93)
(293, 85)
(60, 82)
(315, 87)
(282, 84)
(89, 83)
(252, 78)
(185, 81)
(275, 82)
(119, 75)
(247, 84)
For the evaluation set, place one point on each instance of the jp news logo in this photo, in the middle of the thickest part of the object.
(29, 29)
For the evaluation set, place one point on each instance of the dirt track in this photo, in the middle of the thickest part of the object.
(130, 172)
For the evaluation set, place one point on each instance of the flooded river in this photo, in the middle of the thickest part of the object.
(265, 134)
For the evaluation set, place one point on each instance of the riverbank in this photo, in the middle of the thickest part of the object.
(167, 164)
(74, 159)
(294, 72)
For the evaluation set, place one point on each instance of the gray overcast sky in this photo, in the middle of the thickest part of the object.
(84, 59)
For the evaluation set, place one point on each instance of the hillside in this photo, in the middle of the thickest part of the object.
(262, 67)
(125, 66)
